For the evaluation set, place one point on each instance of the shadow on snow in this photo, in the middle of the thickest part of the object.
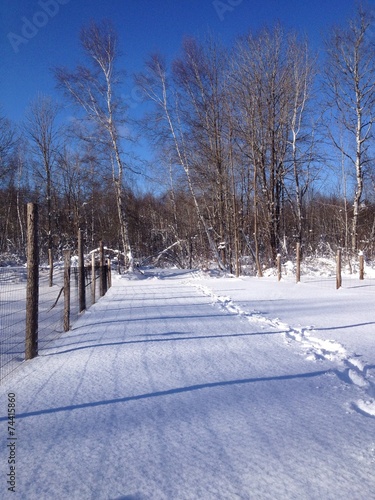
(127, 342)
(169, 392)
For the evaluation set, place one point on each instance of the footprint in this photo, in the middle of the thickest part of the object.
(365, 407)
(357, 378)
(358, 363)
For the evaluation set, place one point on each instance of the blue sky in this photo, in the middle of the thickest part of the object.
(36, 35)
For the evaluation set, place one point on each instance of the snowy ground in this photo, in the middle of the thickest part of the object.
(184, 386)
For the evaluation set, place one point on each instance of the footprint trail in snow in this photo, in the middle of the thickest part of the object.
(353, 370)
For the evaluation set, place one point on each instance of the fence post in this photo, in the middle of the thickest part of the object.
(32, 289)
(298, 263)
(66, 290)
(338, 270)
(81, 274)
(109, 273)
(103, 277)
(93, 277)
(361, 266)
(278, 260)
(50, 263)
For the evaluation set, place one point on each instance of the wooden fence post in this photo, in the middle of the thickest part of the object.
(103, 277)
(278, 267)
(338, 270)
(109, 273)
(361, 266)
(50, 263)
(93, 278)
(81, 274)
(67, 290)
(298, 263)
(32, 289)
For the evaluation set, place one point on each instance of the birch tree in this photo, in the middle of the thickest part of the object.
(172, 132)
(95, 88)
(301, 137)
(350, 85)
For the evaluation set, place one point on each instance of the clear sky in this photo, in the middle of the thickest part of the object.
(36, 35)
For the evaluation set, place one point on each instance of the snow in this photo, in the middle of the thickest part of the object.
(180, 385)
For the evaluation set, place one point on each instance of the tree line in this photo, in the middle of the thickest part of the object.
(259, 146)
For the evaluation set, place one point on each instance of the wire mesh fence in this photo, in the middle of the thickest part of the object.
(13, 282)
(51, 301)
(12, 318)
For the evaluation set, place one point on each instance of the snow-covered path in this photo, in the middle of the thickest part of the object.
(157, 393)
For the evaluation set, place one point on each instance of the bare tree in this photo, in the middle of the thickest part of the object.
(271, 79)
(259, 76)
(94, 88)
(200, 77)
(350, 85)
(301, 141)
(8, 141)
(11, 180)
(43, 132)
(173, 132)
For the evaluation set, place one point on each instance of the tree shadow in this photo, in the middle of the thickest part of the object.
(174, 339)
(152, 318)
(168, 392)
(342, 327)
(137, 496)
